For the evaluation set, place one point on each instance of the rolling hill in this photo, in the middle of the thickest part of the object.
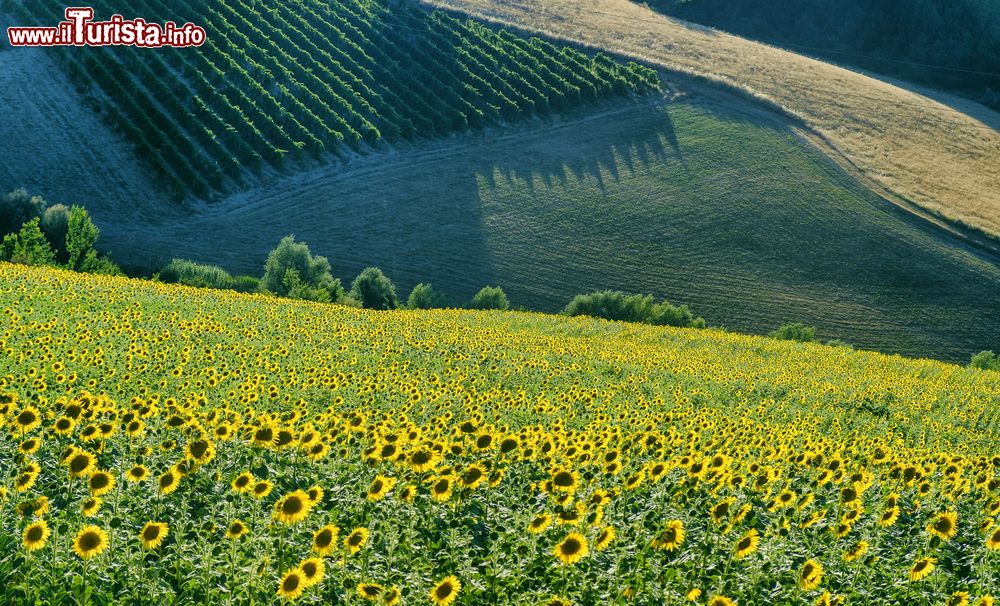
(701, 198)
(938, 151)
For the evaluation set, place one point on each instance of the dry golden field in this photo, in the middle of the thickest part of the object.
(941, 153)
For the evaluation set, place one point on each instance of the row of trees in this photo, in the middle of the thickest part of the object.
(49, 235)
(292, 271)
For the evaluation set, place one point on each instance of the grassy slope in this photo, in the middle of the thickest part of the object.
(942, 154)
(701, 200)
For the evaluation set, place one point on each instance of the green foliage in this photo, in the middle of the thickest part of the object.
(55, 225)
(17, 208)
(246, 284)
(423, 296)
(81, 236)
(27, 246)
(795, 332)
(202, 275)
(490, 297)
(291, 270)
(985, 360)
(617, 305)
(374, 290)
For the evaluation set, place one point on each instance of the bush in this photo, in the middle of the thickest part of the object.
(490, 297)
(985, 360)
(292, 271)
(28, 246)
(17, 208)
(423, 296)
(182, 271)
(374, 290)
(616, 305)
(795, 332)
(246, 284)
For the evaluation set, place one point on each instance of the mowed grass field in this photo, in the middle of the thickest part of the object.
(938, 151)
(164, 444)
(701, 199)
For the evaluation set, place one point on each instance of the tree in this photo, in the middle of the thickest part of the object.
(310, 276)
(795, 332)
(28, 246)
(374, 290)
(490, 297)
(423, 296)
(616, 305)
(17, 208)
(55, 225)
(81, 236)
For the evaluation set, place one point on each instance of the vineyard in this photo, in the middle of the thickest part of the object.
(162, 444)
(276, 83)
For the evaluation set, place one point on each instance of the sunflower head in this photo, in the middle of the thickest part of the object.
(90, 541)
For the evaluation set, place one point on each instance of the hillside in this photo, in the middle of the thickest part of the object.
(938, 151)
(700, 198)
(276, 87)
(953, 45)
(177, 445)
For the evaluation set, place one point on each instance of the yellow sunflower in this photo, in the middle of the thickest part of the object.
(944, 525)
(35, 535)
(153, 533)
(445, 592)
(90, 542)
(747, 544)
(356, 540)
(312, 571)
(292, 584)
(922, 568)
(100, 483)
(370, 591)
(293, 507)
(236, 529)
(671, 537)
(380, 487)
(810, 575)
(572, 549)
(604, 538)
(325, 539)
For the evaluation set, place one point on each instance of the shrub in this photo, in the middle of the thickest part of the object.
(374, 290)
(17, 208)
(28, 246)
(182, 271)
(246, 284)
(310, 275)
(423, 296)
(985, 360)
(616, 305)
(490, 297)
(795, 332)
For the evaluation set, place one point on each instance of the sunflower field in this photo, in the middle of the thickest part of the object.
(164, 444)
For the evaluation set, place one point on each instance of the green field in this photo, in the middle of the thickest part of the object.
(703, 200)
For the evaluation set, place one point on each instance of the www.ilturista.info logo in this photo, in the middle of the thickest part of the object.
(80, 29)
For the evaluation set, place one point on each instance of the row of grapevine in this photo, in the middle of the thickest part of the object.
(280, 81)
